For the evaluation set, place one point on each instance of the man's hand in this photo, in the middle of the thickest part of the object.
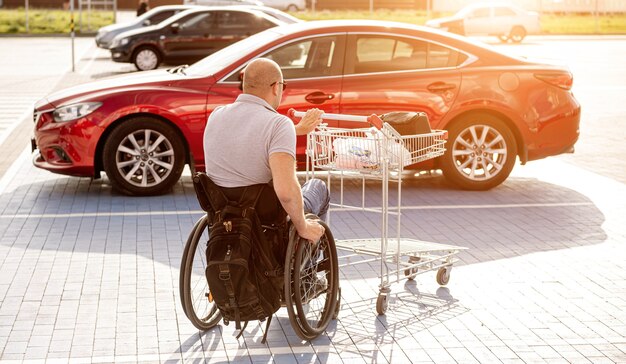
(309, 121)
(312, 231)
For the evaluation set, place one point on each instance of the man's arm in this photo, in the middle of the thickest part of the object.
(288, 191)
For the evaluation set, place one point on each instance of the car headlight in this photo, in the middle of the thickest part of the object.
(119, 42)
(75, 111)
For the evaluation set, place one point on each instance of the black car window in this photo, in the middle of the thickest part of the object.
(159, 17)
(385, 54)
(304, 59)
(241, 21)
(500, 11)
(197, 22)
(308, 58)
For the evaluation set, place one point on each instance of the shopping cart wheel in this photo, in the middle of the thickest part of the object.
(412, 272)
(382, 303)
(443, 275)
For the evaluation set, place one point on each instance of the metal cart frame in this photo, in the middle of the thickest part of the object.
(380, 153)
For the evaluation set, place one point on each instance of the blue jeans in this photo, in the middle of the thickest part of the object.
(316, 198)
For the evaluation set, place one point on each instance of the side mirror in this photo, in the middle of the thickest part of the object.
(175, 28)
(146, 22)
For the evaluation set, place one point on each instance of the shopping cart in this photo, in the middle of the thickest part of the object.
(379, 152)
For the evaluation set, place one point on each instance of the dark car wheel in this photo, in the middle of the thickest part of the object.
(292, 8)
(481, 152)
(146, 58)
(517, 34)
(143, 157)
(503, 38)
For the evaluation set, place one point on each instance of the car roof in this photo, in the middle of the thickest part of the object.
(372, 26)
(202, 8)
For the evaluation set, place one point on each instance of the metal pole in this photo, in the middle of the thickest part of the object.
(371, 7)
(428, 6)
(26, 10)
(597, 16)
(114, 11)
(72, 30)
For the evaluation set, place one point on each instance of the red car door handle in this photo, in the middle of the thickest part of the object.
(318, 97)
(440, 86)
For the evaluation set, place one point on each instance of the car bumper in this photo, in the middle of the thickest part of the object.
(63, 148)
(120, 55)
(556, 134)
(103, 44)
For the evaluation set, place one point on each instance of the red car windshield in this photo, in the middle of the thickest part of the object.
(227, 56)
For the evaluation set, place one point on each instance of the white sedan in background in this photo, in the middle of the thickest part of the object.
(507, 22)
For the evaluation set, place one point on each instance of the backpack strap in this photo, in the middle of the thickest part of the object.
(267, 329)
(230, 290)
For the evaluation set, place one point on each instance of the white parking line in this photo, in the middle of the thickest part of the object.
(12, 171)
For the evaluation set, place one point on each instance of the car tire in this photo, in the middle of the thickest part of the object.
(292, 8)
(146, 58)
(137, 171)
(480, 152)
(517, 34)
(503, 38)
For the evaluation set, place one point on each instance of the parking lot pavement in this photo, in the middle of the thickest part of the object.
(92, 276)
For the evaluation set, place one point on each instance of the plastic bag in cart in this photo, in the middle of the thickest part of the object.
(366, 153)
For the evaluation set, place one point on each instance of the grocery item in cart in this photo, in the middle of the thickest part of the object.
(407, 123)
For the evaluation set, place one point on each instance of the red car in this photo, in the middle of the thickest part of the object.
(141, 129)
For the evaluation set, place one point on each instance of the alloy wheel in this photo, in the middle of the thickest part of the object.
(145, 158)
(479, 152)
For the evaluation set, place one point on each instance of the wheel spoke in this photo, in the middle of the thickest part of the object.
(168, 166)
(464, 152)
(144, 177)
(156, 143)
(465, 143)
(127, 163)
(156, 176)
(131, 173)
(464, 164)
(495, 140)
(483, 136)
(166, 153)
(472, 130)
(132, 139)
(127, 150)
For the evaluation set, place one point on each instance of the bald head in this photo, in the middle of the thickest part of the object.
(259, 75)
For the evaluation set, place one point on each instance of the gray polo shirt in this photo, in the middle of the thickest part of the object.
(239, 138)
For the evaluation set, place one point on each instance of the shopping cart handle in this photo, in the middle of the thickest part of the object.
(373, 119)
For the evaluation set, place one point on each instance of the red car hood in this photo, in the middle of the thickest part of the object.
(70, 94)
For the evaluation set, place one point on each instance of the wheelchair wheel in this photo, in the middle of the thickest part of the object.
(194, 289)
(311, 283)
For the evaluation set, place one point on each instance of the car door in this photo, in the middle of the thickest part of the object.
(311, 67)
(386, 73)
(233, 26)
(191, 39)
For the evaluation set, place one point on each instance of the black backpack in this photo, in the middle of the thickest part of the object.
(245, 278)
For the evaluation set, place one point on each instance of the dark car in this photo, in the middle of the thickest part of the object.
(142, 129)
(189, 36)
(151, 17)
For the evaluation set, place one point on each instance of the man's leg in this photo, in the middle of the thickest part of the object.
(316, 198)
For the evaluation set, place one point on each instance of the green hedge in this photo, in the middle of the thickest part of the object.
(42, 21)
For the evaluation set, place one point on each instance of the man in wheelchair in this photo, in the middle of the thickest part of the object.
(248, 143)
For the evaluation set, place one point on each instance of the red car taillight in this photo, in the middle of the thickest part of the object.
(558, 79)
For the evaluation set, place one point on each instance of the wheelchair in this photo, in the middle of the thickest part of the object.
(311, 281)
